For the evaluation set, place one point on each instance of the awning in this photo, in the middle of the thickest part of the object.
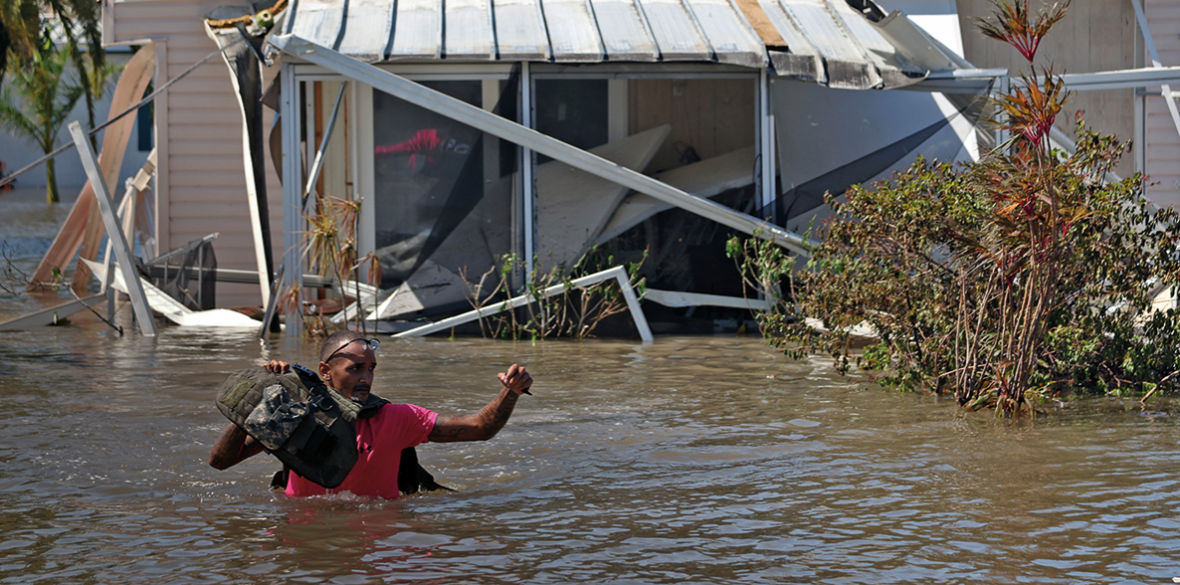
(826, 41)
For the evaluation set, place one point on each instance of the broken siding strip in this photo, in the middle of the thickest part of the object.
(757, 19)
(674, 31)
(573, 32)
(417, 30)
(469, 30)
(845, 65)
(624, 33)
(367, 29)
(321, 20)
(732, 39)
(894, 69)
(520, 31)
(801, 60)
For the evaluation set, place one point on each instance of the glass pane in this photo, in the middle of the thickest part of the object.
(695, 134)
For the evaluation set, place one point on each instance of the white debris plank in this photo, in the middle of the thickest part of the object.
(625, 35)
(732, 39)
(468, 30)
(52, 315)
(675, 298)
(430, 286)
(367, 29)
(573, 32)
(675, 32)
(174, 310)
(366, 302)
(520, 31)
(320, 20)
(417, 29)
(707, 178)
(573, 205)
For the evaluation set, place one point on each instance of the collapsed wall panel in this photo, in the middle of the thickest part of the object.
(829, 140)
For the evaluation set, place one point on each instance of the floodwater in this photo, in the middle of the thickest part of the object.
(693, 459)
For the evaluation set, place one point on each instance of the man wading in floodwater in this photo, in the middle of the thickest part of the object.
(347, 363)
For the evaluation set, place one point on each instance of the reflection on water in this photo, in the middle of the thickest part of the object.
(692, 459)
(27, 227)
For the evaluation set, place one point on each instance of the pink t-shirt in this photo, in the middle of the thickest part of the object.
(379, 442)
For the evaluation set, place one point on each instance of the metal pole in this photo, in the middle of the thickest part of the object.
(115, 235)
(618, 272)
(767, 188)
(292, 194)
(318, 164)
(528, 164)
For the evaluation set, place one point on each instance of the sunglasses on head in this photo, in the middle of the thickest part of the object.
(372, 344)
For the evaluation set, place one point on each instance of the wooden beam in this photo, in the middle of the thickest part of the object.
(132, 84)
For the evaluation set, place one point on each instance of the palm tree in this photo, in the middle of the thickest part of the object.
(21, 23)
(20, 31)
(42, 102)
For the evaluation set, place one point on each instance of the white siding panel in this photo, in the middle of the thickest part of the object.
(201, 147)
(201, 227)
(201, 163)
(228, 119)
(231, 179)
(205, 179)
(196, 129)
(187, 101)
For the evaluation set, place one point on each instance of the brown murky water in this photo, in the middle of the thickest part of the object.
(703, 459)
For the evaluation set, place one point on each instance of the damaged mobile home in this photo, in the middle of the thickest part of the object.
(471, 130)
(484, 130)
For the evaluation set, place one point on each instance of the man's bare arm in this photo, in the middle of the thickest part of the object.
(233, 447)
(489, 421)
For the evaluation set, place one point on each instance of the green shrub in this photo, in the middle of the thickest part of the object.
(1028, 273)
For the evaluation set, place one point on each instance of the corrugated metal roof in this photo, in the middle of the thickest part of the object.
(826, 41)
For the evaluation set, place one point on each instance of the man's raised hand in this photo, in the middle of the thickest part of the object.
(516, 379)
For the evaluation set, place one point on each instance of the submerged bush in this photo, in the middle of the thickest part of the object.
(1028, 273)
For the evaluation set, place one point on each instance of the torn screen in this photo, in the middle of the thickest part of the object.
(443, 209)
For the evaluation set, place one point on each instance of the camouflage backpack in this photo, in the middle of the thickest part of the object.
(296, 418)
